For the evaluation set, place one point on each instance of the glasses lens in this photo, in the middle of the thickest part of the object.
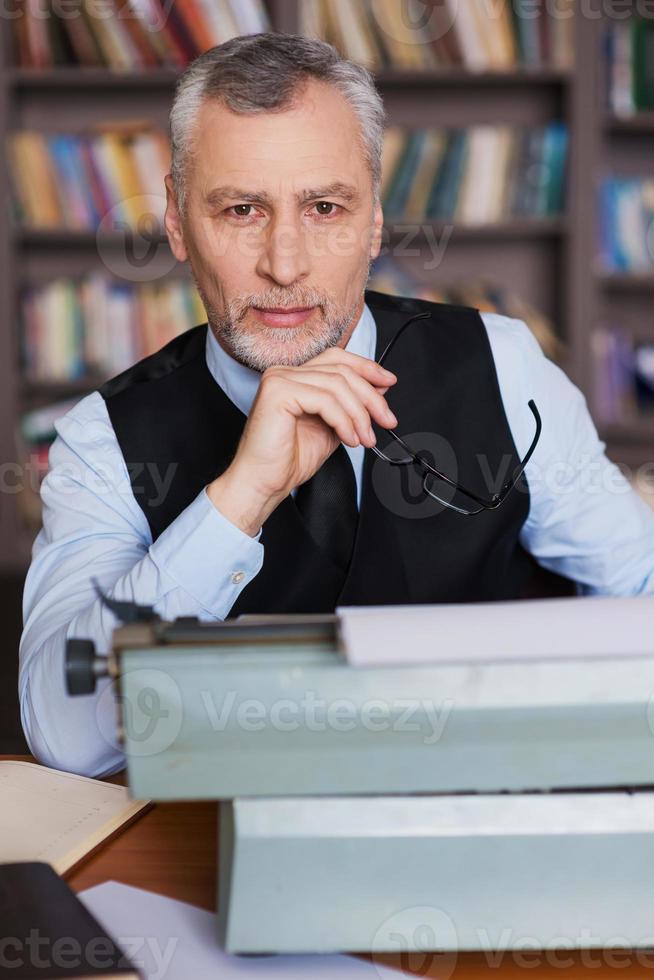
(391, 451)
(445, 494)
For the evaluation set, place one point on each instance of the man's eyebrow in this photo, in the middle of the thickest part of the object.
(337, 188)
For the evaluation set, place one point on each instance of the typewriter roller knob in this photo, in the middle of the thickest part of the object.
(83, 667)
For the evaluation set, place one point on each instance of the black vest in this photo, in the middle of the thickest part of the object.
(168, 412)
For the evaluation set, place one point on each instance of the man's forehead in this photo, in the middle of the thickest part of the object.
(323, 127)
(259, 156)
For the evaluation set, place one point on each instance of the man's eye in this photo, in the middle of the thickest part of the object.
(325, 209)
(240, 210)
(325, 204)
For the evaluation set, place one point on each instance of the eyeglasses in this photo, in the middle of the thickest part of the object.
(431, 474)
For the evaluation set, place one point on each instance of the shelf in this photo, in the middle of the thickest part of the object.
(31, 79)
(396, 228)
(68, 238)
(623, 282)
(640, 122)
(38, 80)
(509, 230)
(458, 75)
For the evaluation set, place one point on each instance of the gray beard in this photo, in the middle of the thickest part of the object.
(264, 347)
(260, 349)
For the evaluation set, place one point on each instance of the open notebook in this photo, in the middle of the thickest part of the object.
(57, 817)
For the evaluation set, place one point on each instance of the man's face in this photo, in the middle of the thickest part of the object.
(280, 215)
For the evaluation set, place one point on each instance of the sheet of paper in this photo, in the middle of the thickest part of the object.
(478, 632)
(170, 940)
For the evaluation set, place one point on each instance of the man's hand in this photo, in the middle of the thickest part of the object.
(299, 416)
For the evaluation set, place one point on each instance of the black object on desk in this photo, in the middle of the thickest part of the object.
(46, 931)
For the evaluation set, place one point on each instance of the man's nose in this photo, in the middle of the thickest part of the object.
(284, 256)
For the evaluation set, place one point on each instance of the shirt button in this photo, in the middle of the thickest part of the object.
(238, 577)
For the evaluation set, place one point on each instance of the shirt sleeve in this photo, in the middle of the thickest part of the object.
(585, 521)
(94, 528)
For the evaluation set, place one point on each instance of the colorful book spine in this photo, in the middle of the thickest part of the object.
(484, 294)
(62, 181)
(480, 175)
(96, 327)
(130, 35)
(630, 66)
(474, 34)
(623, 375)
(627, 224)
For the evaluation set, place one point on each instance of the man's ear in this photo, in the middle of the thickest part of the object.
(378, 227)
(173, 222)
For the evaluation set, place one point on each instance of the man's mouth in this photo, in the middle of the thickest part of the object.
(283, 316)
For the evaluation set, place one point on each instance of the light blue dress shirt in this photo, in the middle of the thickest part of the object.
(585, 521)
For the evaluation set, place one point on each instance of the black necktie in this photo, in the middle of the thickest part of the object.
(328, 504)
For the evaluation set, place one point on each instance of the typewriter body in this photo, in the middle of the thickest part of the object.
(487, 805)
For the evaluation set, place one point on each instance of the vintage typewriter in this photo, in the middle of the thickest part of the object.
(483, 805)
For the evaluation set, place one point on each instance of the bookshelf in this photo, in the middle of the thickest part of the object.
(551, 262)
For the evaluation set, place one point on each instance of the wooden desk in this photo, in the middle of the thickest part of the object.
(172, 850)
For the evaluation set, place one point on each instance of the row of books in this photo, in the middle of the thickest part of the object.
(623, 375)
(130, 34)
(477, 34)
(477, 175)
(116, 177)
(95, 326)
(627, 224)
(78, 181)
(630, 57)
(487, 295)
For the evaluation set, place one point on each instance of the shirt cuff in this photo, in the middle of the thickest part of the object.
(208, 556)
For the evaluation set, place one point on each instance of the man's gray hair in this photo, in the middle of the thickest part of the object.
(265, 72)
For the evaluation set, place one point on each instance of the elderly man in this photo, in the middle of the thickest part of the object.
(238, 469)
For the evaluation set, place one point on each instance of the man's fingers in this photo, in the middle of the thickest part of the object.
(299, 398)
(364, 366)
(369, 395)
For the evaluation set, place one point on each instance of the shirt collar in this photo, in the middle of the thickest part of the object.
(240, 383)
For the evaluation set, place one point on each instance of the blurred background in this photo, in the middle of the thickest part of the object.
(518, 176)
